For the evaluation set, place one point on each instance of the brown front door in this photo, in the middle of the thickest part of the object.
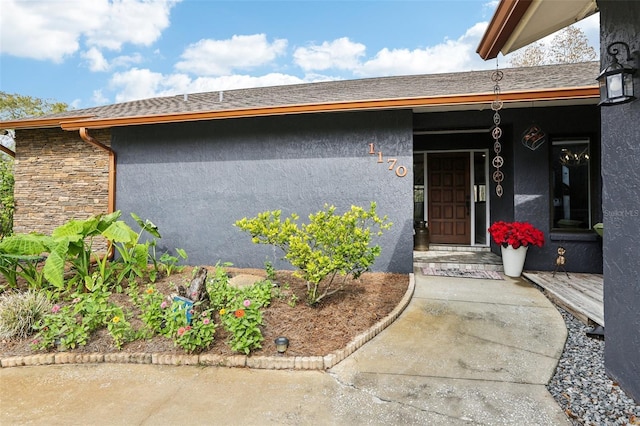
(449, 198)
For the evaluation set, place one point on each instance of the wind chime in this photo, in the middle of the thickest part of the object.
(496, 133)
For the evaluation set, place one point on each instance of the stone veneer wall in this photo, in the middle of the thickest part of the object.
(58, 177)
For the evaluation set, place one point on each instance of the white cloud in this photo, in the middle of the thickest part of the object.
(220, 57)
(52, 30)
(96, 60)
(136, 84)
(208, 65)
(129, 21)
(449, 56)
(341, 53)
(143, 83)
(38, 30)
(98, 98)
(124, 61)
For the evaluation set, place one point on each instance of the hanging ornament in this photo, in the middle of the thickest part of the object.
(534, 137)
(496, 133)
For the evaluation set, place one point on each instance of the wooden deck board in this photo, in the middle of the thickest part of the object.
(581, 294)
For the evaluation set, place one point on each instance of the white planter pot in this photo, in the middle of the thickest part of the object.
(513, 260)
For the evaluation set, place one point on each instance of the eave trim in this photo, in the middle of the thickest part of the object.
(504, 22)
(469, 99)
(40, 123)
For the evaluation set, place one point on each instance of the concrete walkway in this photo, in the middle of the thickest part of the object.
(465, 351)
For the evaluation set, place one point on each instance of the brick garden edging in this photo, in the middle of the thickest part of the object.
(261, 362)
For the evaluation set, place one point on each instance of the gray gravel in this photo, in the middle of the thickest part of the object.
(580, 384)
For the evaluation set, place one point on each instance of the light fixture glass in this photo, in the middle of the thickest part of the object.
(282, 344)
(616, 80)
(570, 158)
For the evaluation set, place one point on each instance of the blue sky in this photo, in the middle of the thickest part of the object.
(96, 52)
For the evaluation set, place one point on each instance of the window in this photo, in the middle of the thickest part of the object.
(571, 186)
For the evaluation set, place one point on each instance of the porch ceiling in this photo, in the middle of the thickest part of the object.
(517, 23)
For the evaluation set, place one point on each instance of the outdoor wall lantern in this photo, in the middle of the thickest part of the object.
(282, 344)
(616, 80)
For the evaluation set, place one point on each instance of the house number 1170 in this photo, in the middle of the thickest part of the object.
(401, 171)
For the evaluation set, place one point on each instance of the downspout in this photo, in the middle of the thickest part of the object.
(111, 192)
(111, 195)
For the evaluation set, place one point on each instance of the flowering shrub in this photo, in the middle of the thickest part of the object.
(119, 328)
(198, 335)
(152, 310)
(243, 323)
(70, 325)
(516, 234)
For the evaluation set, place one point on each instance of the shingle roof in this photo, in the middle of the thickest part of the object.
(342, 91)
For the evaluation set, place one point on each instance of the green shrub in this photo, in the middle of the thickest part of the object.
(7, 204)
(328, 250)
(20, 311)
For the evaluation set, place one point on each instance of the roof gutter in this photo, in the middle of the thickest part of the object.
(40, 123)
(422, 102)
(84, 134)
(92, 122)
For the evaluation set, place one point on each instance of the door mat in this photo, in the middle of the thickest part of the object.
(459, 273)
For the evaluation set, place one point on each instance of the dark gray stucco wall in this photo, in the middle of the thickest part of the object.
(532, 183)
(620, 21)
(527, 173)
(194, 180)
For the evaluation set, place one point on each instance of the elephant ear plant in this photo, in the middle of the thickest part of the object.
(20, 256)
(328, 250)
(72, 244)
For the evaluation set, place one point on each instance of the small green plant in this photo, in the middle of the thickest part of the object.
(270, 270)
(243, 323)
(259, 293)
(198, 335)
(293, 300)
(218, 289)
(328, 250)
(134, 255)
(168, 263)
(119, 328)
(19, 311)
(153, 307)
(61, 328)
(69, 326)
(239, 309)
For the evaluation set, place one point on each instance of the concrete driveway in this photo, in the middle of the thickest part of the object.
(464, 351)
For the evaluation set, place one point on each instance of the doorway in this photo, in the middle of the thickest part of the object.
(449, 198)
(450, 195)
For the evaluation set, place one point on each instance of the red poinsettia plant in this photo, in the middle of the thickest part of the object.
(516, 234)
